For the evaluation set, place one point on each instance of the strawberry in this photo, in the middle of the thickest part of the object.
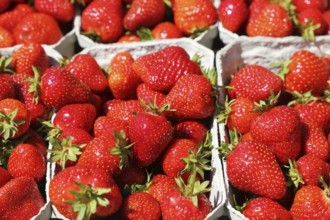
(166, 30)
(28, 55)
(160, 186)
(7, 87)
(150, 134)
(84, 191)
(233, 14)
(37, 141)
(144, 13)
(194, 16)
(255, 83)
(4, 177)
(26, 160)
(76, 115)
(85, 68)
(4, 4)
(147, 94)
(311, 202)
(7, 38)
(255, 8)
(131, 175)
(105, 126)
(107, 26)
(140, 205)
(38, 28)
(326, 17)
(279, 128)
(265, 208)
(162, 69)
(192, 130)
(61, 10)
(122, 79)
(301, 5)
(191, 97)
(261, 174)
(59, 88)
(127, 38)
(15, 118)
(11, 18)
(304, 72)
(20, 197)
(311, 23)
(272, 21)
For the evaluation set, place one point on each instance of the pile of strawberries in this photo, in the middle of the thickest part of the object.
(278, 151)
(276, 18)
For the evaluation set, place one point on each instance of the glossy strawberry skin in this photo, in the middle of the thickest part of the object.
(7, 87)
(313, 14)
(301, 5)
(7, 38)
(147, 94)
(192, 130)
(105, 126)
(160, 186)
(166, 30)
(61, 10)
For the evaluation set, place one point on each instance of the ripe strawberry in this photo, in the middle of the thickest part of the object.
(131, 175)
(147, 94)
(144, 13)
(279, 128)
(194, 16)
(255, 83)
(59, 88)
(37, 141)
(85, 68)
(162, 69)
(127, 38)
(9, 19)
(7, 38)
(311, 202)
(160, 186)
(26, 160)
(107, 25)
(305, 72)
(38, 28)
(311, 23)
(150, 134)
(261, 174)
(95, 193)
(28, 55)
(105, 126)
(122, 79)
(255, 8)
(166, 30)
(301, 5)
(4, 4)
(192, 130)
(61, 10)
(140, 205)
(15, 118)
(76, 115)
(191, 97)
(7, 87)
(265, 208)
(20, 197)
(4, 177)
(272, 21)
(233, 14)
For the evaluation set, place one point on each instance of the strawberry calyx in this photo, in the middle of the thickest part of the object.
(326, 96)
(122, 149)
(239, 208)
(308, 30)
(64, 61)
(130, 189)
(153, 107)
(225, 148)
(197, 31)
(6, 147)
(145, 34)
(8, 124)
(4, 65)
(51, 131)
(88, 198)
(64, 150)
(168, 3)
(304, 98)
(93, 36)
(34, 84)
(225, 110)
(294, 174)
(284, 65)
(326, 188)
(264, 105)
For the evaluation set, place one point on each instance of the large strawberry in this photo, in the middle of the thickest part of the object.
(84, 191)
(162, 69)
(59, 88)
(7, 38)
(194, 16)
(61, 10)
(144, 13)
(107, 26)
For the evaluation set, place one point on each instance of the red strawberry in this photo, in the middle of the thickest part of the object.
(147, 94)
(26, 160)
(95, 193)
(11, 18)
(161, 70)
(301, 5)
(311, 202)
(255, 8)
(15, 118)
(233, 14)
(105, 126)
(4, 177)
(194, 16)
(30, 54)
(265, 208)
(20, 197)
(192, 130)
(107, 25)
(7, 87)
(160, 186)
(61, 10)
(59, 88)
(326, 17)
(144, 13)
(127, 38)
(38, 28)
(150, 134)
(255, 83)
(131, 175)
(191, 97)
(85, 68)
(140, 205)
(37, 141)
(4, 4)
(7, 38)
(260, 174)
(279, 128)
(166, 30)
(311, 23)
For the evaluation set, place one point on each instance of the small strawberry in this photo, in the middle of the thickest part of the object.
(144, 13)
(105, 126)
(192, 130)
(59, 88)
(166, 30)
(162, 69)
(38, 28)
(7, 38)
(311, 23)
(147, 94)
(61, 10)
(4, 176)
(7, 86)
(160, 186)
(86, 192)
(26, 160)
(128, 38)
(301, 5)
(9, 19)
